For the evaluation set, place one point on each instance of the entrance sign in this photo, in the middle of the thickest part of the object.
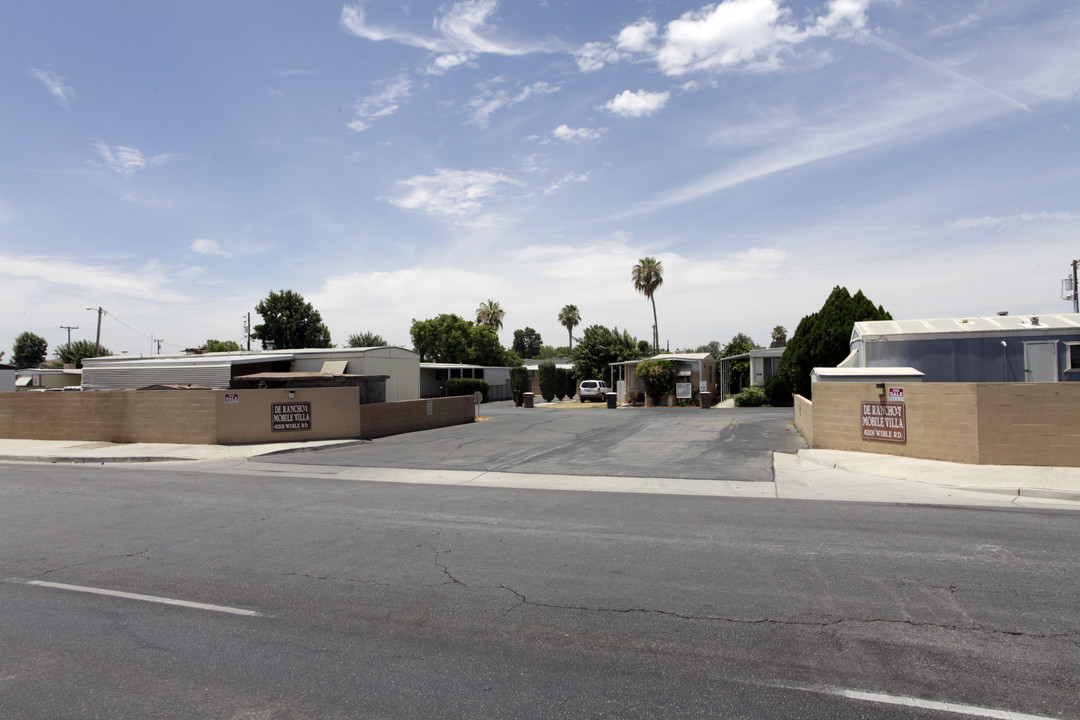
(884, 421)
(290, 416)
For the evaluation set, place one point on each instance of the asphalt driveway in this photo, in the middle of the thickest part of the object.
(716, 444)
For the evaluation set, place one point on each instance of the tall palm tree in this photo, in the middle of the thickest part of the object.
(570, 318)
(648, 275)
(489, 313)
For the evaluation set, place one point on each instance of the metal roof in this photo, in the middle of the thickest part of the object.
(995, 325)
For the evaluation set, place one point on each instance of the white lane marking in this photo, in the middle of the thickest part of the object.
(146, 598)
(943, 706)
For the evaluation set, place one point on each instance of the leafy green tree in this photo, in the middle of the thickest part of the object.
(570, 318)
(449, 338)
(290, 322)
(444, 338)
(779, 336)
(30, 350)
(366, 339)
(648, 276)
(712, 347)
(599, 347)
(74, 352)
(527, 343)
(824, 338)
(212, 346)
(547, 352)
(490, 313)
(738, 370)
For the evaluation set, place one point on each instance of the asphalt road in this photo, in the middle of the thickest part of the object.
(732, 444)
(404, 601)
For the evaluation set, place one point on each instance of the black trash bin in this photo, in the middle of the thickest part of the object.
(612, 400)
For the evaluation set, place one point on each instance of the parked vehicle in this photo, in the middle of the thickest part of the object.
(593, 390)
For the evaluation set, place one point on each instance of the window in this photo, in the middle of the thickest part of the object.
(1074, 356)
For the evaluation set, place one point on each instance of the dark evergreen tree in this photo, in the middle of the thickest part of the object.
(548, 377)
(824, 338)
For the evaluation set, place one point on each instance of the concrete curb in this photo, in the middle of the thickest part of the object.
(57, 460)
(1013, 491)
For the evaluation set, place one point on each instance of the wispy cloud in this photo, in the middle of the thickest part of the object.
(568, 179)
(463, 30)
(204, 246)
(128, 160)
(637, 104)
(991, 221)
(492, 99)
(458, 195)
(56, 85)
(150, 282)
(383, 103)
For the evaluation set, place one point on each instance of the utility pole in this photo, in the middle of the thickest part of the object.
(247, 330)
(97, 340)
(159, 341)
(1070, 286)
(69, 328)
(1076, 301)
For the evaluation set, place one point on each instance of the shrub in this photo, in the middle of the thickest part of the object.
(658, 377)
(777, 392)
(548, 378)
(750, 397)
(466, 386)
(519, 379)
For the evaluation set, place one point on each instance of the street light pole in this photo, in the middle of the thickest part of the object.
(97, 340)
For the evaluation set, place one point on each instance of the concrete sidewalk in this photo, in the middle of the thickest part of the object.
(809, 475)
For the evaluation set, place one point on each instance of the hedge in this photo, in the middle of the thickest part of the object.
(466, 386)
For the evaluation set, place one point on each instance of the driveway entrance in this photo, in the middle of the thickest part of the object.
(717, 444)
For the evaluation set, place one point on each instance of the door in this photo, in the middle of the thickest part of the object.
(1041, 361)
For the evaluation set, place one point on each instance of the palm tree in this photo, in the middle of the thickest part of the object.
(489, 313)
(570, 318)
(648, 275)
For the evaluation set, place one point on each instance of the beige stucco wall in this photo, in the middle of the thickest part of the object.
(977, 423)
(180, 417)
(202, 417)
(382, 419)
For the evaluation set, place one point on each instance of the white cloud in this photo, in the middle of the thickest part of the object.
(595, 55)
(637, 104)
(383, 103)
(446, 62)
(56, 85)
(493, 99)
(128, 160)
(204, 246)
(637, 37)
(567, 134)
(121, 159)
(566, 180)
(464, 27)
(734, 34)
(452, 194)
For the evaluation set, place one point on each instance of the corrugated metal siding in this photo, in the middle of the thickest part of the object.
(133, 378)
(404, 372)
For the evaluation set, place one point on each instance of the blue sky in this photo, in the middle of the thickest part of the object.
(174, 162)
